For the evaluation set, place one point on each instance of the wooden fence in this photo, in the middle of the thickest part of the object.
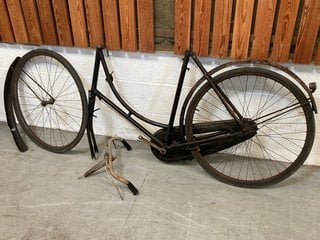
(263, 29)
(81, 23)
(279, 30)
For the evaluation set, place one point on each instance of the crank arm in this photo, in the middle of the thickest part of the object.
(161, 150)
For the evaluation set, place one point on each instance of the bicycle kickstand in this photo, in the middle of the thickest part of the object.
(108, 162)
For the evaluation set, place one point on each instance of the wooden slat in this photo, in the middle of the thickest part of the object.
(17, 21)
(30, 11)
(221, 28)
(114, 23)
(94, 21)
(128, 25)
(111, 24)
(308, 32)
(317, 59)
(61, 14)
(78, 23)
(146, 25)
(242, 28)
(201, 32)
(6, 31)
(47, 22)
(263, 29)
(284, 31)
(182, 26)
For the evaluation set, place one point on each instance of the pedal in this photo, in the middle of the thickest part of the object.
(126, 145)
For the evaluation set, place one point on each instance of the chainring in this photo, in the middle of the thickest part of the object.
(171, 155)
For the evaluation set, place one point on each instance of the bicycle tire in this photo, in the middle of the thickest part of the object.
(280, 145)
(49, 100)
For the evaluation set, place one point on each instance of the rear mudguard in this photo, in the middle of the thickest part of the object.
(11, 120)
(292, 76)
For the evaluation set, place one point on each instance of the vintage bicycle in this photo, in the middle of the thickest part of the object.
(247, 123)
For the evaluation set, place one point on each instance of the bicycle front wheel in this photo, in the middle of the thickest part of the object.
(49, 100)
(278, 111)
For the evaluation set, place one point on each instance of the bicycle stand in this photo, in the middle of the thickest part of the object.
(108, 163)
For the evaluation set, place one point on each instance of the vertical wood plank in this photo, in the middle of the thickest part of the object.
(221, 28)
(6, 31)
(317, 59)
(182, 26)
(146, 25)
(61, 14)
(32, 21)
(308, 32)
(263, 29)
(94, 21)
(285, 29)
(201, 32)
(78, 23)
(242, 28)
(111, 24)
(47, 22)
(128, 25)
(17, 21)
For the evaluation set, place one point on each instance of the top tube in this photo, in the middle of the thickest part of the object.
(109, 79)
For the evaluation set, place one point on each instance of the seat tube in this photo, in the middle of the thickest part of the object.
(177, 95)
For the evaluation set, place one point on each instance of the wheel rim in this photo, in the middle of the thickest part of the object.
(49, 102)
(281, 143)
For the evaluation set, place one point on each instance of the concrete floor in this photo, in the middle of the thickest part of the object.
(42, 196)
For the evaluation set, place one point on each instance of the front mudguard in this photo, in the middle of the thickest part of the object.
(11, 120)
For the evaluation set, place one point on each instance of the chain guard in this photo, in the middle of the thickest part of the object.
(171, 155)
(229, 127)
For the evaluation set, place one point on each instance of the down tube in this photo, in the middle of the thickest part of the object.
(127, 117)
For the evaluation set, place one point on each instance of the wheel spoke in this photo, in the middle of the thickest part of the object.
(277, 112)
(50, 100)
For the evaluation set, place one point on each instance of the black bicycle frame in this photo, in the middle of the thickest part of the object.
(94, 92)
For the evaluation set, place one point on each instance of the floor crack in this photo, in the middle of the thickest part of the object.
(133, 205)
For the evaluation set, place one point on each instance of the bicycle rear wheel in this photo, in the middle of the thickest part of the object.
(49, 100)
(283, 121)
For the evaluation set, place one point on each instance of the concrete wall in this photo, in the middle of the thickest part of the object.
(147, 81)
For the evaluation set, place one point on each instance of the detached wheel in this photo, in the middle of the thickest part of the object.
(49, 100)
